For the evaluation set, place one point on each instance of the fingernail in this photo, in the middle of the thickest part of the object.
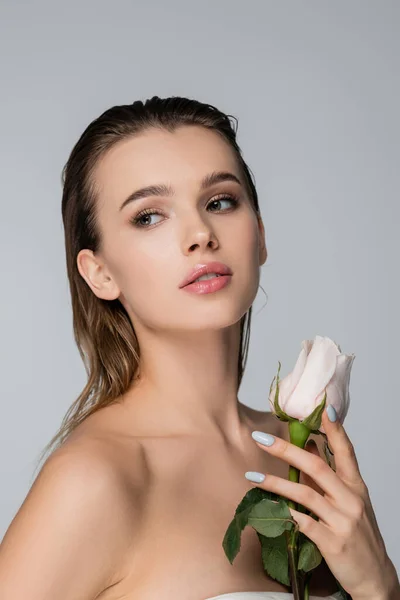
(263, 438)
(254, 476)
(332, 415)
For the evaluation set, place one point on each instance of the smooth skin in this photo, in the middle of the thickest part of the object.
(347, 532)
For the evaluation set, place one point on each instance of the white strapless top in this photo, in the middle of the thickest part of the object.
(268, 596)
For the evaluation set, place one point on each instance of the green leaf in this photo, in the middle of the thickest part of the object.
(313, 421)
(252, 497)
(275, 557)
(232, 538)
(270, 518)
(309, 555)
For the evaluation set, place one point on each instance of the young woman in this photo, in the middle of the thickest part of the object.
(149, 467)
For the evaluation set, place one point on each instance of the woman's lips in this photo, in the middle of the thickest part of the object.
(204, 268)
(207, 286)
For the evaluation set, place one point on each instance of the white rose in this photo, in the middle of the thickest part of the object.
(320, 366)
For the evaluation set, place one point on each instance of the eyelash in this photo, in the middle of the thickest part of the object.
(150, 211)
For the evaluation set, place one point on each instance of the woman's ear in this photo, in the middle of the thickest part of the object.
(96, 275)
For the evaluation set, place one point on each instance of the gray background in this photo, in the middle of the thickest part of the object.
(315, 86)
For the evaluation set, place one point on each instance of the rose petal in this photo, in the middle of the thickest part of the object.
(288, 383)
(338, 389)
(319, 369)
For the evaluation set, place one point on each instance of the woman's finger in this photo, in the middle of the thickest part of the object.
(312, 447)
(346, 463)
(302, 494)
(314, 466)
(317, 531)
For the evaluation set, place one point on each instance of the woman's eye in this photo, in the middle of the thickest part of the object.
(231, 199)
(138, 222)
(138, 219)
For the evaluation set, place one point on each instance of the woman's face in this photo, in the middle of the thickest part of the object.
(143, 263)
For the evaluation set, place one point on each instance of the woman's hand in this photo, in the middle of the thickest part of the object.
(347, 532)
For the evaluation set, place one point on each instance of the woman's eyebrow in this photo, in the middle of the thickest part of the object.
(162, 189)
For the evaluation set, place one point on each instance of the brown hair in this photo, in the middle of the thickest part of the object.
(103, 330)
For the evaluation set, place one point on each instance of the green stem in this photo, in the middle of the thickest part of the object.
(298, 436)
(306, 587)
(292, 556)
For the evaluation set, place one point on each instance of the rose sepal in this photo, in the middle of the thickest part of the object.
(313, 421)
(279, 413)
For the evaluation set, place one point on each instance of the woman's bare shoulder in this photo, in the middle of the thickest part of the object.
(85, 512)
(104, 441)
